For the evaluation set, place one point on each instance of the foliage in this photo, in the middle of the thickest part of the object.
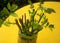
(6, 12)
(32, 26)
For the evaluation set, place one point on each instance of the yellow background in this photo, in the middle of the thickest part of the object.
(10, 34)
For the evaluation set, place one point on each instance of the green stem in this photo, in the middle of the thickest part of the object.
(40, 17)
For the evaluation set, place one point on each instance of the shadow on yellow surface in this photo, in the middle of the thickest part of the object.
(10, 34)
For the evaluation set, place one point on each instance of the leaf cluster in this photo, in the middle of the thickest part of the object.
(32, 26)
(6, 12)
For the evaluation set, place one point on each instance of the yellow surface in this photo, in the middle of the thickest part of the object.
(10, 34)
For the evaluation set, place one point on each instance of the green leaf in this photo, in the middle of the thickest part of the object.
(9, 6)
(35, 25)
(14, 7)
(5, 10)
(41, 1)
(51, 26)
(49, 10)
(7, 23)
(14, 14)
(40, 27)
(1, 22)
(45, 21)
(31, 4)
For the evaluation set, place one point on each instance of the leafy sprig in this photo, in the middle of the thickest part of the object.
(6, 12)
(33, 26)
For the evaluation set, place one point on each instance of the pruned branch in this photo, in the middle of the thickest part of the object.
(17, 24)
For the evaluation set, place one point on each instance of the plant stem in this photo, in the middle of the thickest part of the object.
(40, 17)
(25, 18)
(21, 21)
(18, 24)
